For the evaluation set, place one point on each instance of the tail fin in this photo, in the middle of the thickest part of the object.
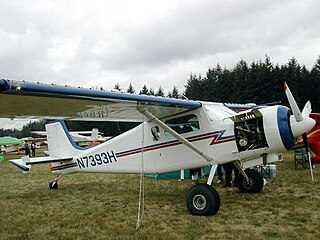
(60, 143)
(95, 134)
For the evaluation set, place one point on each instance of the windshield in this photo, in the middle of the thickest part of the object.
(183, 124)
(218, 112)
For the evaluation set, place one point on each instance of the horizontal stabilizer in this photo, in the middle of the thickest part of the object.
(22, 164)
(25, 162)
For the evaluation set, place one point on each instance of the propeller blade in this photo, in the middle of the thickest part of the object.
(293, 104)
(307, 109)
(305, 140)
(300, 122)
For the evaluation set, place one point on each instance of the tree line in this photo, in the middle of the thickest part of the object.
(150, 91)
(259, 82)
(26, 129)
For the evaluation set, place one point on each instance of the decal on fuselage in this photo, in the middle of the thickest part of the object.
(217, 138)
(97, 159)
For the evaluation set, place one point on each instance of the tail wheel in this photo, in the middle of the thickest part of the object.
(255, 183)
(203, 200)
(53, 185)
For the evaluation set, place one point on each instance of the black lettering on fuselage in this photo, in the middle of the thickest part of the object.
(97, 159)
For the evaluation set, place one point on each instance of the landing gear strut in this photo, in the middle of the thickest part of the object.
(203, 200)
(54, 183)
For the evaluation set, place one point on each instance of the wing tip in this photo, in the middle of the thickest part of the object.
(3, 85)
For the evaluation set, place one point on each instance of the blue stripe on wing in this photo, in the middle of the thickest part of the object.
(9, 86)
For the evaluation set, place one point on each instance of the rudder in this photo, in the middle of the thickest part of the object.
(60, 143)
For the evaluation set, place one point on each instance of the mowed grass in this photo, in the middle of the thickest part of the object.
(104, 206)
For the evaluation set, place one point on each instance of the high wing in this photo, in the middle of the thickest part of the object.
(35, 100)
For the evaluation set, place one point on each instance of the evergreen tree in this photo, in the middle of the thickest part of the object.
(262, 84)
(117, 86)
(130, 89)
(210, 85)
(160, 92)
(291, 75)
(243, 78)
(174, 93)
(314, 84)
(151, 92)
(144, 90)
(194, 88)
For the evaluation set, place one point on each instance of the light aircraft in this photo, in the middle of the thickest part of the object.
(38, 141)
(80, 136)
(9, 144)
(174, 134)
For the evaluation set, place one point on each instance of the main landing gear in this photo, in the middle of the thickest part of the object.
(54, 183)
(253, 184)
(203, 200)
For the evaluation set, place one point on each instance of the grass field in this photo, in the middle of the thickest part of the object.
(104, 206)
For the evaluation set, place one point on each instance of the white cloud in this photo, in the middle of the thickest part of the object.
(6, 123)
(90, 43)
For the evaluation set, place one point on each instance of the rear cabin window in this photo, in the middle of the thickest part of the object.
(183, 124)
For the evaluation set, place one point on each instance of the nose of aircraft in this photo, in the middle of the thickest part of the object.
(300, 122)
(301, 127)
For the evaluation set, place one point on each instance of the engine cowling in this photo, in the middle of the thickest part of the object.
(273, 128)
(277, 128)
(266, 128)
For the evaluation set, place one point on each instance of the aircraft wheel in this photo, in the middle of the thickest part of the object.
(53, 185)
(203, 200)
(255, 183)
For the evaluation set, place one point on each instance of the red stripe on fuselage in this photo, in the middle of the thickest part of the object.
(215, 136)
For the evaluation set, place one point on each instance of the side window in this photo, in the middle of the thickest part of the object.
(183, 124)
(155, 131)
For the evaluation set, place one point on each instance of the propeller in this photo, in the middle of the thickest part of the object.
(300, 122)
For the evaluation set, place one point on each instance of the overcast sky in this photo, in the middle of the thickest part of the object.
(158, 43)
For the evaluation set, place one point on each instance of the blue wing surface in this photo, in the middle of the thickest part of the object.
(34, 100)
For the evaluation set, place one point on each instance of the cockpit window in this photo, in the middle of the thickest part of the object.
(183, 124)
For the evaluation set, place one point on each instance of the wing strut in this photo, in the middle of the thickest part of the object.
(161, 124)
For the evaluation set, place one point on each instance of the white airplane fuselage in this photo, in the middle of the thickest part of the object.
(210, 128)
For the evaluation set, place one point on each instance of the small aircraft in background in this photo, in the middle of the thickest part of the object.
(10, 144)
(174, 134)
(37, 141)
(80, 136)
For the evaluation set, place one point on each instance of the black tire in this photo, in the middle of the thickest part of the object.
(53, 185)
(203, 200)
(255, 184)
